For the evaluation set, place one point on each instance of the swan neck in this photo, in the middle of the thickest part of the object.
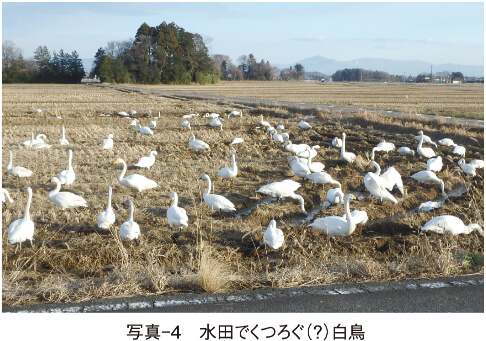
(70, 159)
(124, 170)
(108, 204)
(175, 200)
(343, 145)
(10, 160)
(27, 205)
(233, 158)
(209, 186)
(349, 217)
(63, 135)
(56, 189)
(130, 212)
(421, 141)
(377, 169)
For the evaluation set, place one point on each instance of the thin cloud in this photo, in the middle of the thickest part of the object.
(316, 39)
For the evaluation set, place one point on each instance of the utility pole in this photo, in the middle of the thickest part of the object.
(431, 74)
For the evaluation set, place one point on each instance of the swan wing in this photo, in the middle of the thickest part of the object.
(273, 237)
(218, 202)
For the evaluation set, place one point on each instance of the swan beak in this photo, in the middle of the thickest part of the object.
(114, 162)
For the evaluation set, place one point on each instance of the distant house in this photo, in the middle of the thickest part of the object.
(456, 81)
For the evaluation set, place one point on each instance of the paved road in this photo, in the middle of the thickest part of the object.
(195, 96)
(460, 294)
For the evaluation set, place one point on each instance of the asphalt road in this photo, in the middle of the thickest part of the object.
(459, 294)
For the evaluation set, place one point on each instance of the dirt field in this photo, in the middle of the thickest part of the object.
(73, 260)
(457, 100)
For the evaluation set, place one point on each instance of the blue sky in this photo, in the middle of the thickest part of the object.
(280, 32)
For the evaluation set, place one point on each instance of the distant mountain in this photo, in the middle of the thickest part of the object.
(393, 67)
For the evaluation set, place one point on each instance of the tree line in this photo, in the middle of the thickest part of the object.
(58, 67)
(162, 54)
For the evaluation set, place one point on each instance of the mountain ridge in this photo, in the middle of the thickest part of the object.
(394, 67)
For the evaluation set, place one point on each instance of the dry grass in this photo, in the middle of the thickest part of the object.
(72, 260)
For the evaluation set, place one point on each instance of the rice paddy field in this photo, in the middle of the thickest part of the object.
(72, 260)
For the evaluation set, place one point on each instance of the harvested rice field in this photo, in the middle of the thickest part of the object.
(72, 260)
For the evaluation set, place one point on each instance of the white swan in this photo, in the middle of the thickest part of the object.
(337, 142)
(264, 123)
(304, 125)
(377, 186)
(335, 225)
(40, 145)
(147, 161)
(283, 189)
(17, 171)
(216, 123)
(22, 229)
(277, 137)
(237, 140)
(235, 113)
(446, 142)
(298, 168)
(383, 146)
(429, 176)
(435, 164)
(424, 151)
(426, 139)
(451, 225)
(38, 139)
(273, 236)
(63, 141)
(107, 217)
(295, 148)
(67, 176)
(153, 124)
(65, 199)
(428, 206)
(229, 172)
(334, 196)
(176, 216)
(186, 124)
(133, 122)
(467, 168)
(405, 150)
(210, 115)
(390, 178)
(459, 150)
(134, 181)
(322, 178)
(309, 151)
(122, 113)
(143, 130)
(129, 230)
(197, 145)
(314, 166)
(346, 156)
(108, 143)
(214, 201)
(4, 194)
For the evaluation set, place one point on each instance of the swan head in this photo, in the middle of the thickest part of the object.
(233, 152)
(344, 135)
(118, 161)
(173, 196)
(421, 132)
(54, 179)
(28, 190)
(110, 136)
(191, 135)
(205, 177)
(461, 161)
(153, 152)
(272, 224)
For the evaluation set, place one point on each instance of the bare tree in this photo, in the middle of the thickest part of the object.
(10, 53)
